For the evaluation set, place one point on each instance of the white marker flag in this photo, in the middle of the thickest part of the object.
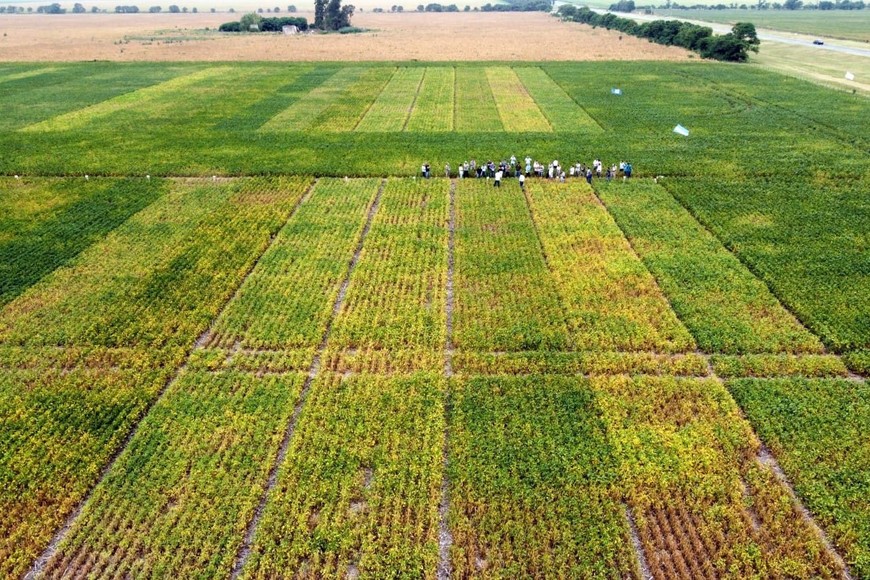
(681, 130)
(616, 91)
(850, 76)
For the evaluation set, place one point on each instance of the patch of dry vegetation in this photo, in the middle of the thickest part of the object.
(409, 36)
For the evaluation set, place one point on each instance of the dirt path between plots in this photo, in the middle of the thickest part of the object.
(472, 36)
(445, 538)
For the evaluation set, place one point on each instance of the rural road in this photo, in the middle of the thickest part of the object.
(763, 34)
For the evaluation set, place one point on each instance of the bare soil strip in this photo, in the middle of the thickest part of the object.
(451, 244)
(39, 564)
(638, 547)
(245, 549)
(445, 538)
(766, 458)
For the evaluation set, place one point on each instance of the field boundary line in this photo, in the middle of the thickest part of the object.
(244, 551)
(582, 108)
(639, 553)
(414, 100)
(752, 270)
(38, 566)
(767, 459)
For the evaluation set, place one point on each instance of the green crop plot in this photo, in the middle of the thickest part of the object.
(255, 341)
(46, 222)
(391, 109)
(505, 295)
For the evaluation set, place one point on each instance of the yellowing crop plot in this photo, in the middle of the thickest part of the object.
(563, 112)
(434, 107)
(517, 108)
(84, 117)
(612, 301)
(392, 107)
(395, 300)
(358, 492)
(301, 114)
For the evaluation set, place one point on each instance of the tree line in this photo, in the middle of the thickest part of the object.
(733, 46)
(255, 23)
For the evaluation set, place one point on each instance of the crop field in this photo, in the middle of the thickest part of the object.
(847, 24)
(241, 337)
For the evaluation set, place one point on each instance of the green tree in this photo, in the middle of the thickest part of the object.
(319, 14)
(78, 8)
(337, 16)
(250, 20)
(745, 31)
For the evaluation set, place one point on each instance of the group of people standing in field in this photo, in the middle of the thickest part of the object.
(513, 168)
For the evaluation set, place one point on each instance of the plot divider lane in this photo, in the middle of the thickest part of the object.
(445, 538)
(244, 551)
(38, 567)
(766, 458)
(639, 553)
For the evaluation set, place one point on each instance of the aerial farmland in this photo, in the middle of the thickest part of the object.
(242, 335)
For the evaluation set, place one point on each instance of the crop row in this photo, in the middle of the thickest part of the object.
(539, 470)
(434, 107)
(178, 499)
(517, 109)
(44, 91)
(393, 106)
(395, 299)
(727, 308)
(574, 363)
(818, 429)
(611, 300)
(47, 222)
(349, 108)
(156, 281)
(505, 297)
(288, 299)
(475, 106)
(141, 296)
(704, 505)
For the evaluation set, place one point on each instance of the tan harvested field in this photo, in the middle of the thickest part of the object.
(429, 37)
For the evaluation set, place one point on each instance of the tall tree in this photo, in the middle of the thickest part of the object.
(319, 13)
